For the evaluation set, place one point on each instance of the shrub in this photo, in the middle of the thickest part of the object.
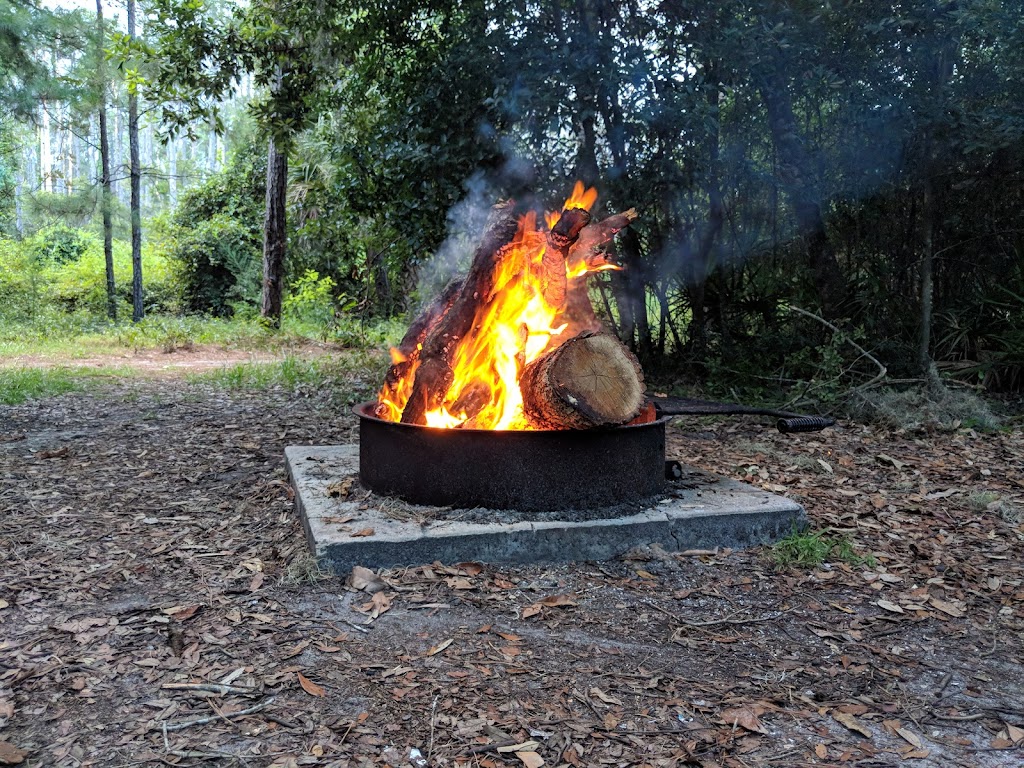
(220, 266)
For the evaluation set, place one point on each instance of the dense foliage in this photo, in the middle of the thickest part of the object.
(859, 161)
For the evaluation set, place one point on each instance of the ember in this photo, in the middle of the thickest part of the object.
(515, 344)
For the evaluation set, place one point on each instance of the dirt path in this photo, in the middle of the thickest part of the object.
(147, 542)
(156, 362)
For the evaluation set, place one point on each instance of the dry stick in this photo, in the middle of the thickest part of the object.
(217, 688)
(433, 718)
(962, 718)
(211, 718)
(882, 371)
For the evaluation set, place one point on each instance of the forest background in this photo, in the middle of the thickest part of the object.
(830, 193)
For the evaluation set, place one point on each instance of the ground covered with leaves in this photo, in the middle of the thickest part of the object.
(157, 607)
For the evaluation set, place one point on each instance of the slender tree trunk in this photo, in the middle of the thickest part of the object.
(172, 172)
(802, 191)
(138, 311)
(943, 69)
(924, 356)
(45, 153)
(275, 234)
(105, 191)
(701, 262)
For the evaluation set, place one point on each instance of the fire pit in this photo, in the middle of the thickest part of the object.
(507, 394)
(528, 470)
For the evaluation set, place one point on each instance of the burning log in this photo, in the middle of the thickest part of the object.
(591, 380)
(434, 374)
(561, 238)
(522, 307)
(405, 356)
(586, 254)
(586, 250)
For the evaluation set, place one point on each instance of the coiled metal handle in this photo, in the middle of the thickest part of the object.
(804, 424)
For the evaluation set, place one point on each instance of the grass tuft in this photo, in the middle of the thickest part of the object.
(18, 385)
(351, 376)
(304, 569)
(990, 501)
(809, 549)
(942, 408)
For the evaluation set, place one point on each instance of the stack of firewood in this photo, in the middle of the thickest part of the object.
(585, 376)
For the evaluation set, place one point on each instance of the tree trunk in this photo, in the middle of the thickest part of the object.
(716, 216)
(275, 235)
(795, 174)
(942, 73)
(172, 172)
(105, 191)
(138, 311)
(45, 152)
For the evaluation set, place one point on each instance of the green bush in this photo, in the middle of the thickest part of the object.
(220, 266)
(218, 238)
(62, 270)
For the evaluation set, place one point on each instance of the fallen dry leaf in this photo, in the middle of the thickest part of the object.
(821, 751)
(185, 613)
(891, 607)
(341, 488)
(532, 610)
(915, 754)
(530, 759)
(379, 603)
(851, 722)
(604, 696)
(745, 717)
(946, 607)
(557, 600)
(10, 754)
(439, 647)
(910, 737)
(310, 687)
(1014, 734)
(526, 746)
(365, 580)
(364, 532)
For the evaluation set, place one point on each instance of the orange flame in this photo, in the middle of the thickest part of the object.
(511, 329)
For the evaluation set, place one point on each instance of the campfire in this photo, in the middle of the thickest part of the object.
(516, 344)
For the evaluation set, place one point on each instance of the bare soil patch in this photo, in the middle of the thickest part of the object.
(157, 362)
(149, 552)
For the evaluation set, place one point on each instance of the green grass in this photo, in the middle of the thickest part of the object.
(77, 336)
(809, 549)
(351, 375)
(20, 384)
(989, 501)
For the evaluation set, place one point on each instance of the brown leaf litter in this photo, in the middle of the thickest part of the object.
(157, 607)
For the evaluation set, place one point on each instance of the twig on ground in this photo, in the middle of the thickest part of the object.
(215, 688)
(354, 626)
(962, 718)
(433, 719)
(944, 685)
(210, 718)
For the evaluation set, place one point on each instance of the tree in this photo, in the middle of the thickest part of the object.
(138, 310)
(105, 185)
(293, 50)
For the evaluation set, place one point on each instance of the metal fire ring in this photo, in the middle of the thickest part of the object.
(522, 470)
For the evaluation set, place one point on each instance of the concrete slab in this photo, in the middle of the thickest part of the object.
(346, 528)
